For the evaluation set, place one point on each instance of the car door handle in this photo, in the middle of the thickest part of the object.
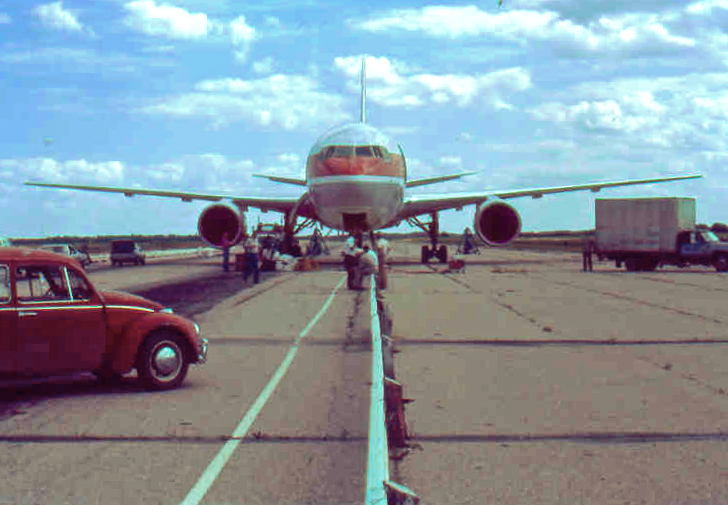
(27, 313)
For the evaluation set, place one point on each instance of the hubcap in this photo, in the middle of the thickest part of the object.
(166, 360)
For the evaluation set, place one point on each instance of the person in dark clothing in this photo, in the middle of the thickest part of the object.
(351, 255)
(587, 256)
(251, 260)
(225, 243)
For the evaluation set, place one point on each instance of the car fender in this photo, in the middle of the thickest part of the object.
(126, 347)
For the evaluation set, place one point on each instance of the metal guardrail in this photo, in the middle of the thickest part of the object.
(379, 489)
(378, 456)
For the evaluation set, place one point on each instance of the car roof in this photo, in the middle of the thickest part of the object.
(28, 254)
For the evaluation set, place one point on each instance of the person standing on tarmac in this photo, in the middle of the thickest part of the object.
(368, 265)
(351, 255)
(251, 259)
(225, 243)
(587, 256)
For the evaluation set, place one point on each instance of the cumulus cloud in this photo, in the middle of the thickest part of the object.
(650, 121)
(53, 15)
(392, 83)
(242, 36)
(626, 113)
(289, 102)
(264, 66)
(61, 171)
(619, 33)
(4, 19)
(164, 20)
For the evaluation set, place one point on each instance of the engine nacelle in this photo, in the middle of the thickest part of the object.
(497, 223)
(217, 219)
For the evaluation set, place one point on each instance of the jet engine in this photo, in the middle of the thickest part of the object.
(496, 223)
(217, 219)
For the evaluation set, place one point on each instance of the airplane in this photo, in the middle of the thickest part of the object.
(356, 179)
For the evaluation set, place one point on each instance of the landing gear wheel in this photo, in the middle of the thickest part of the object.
(442, 254)
(161, 362)
(425, 254)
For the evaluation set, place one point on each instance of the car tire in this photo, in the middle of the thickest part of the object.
(162, 362)
(721, 262)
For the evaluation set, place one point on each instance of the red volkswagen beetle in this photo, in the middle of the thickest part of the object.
(53, 321)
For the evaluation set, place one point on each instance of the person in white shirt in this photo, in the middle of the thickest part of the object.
(368, 265)
(351, 255)
(383, 245)
(251, 259)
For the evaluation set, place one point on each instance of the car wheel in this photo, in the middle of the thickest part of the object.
(721, 263)
(161, 361)
(425, 254)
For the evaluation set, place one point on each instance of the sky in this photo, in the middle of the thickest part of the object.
(198, 95)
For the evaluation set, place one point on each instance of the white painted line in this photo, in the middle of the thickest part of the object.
(212, 471)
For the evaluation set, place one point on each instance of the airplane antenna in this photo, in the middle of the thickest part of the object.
(363, 117)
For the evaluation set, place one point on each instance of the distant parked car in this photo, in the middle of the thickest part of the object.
(126, 251)
(68, 250)
(55, 322)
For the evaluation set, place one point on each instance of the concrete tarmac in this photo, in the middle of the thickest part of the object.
(533, 382)
(539, 383)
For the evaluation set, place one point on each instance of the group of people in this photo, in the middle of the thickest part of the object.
(360, 262)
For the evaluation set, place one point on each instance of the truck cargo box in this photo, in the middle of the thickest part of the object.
(642, 224)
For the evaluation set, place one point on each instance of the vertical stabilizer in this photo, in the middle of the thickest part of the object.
(363, 117)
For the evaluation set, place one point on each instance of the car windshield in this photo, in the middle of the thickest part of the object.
(709, 236)
(122, 247)
(60, 249)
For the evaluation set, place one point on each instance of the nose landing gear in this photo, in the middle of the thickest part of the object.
(432, 229)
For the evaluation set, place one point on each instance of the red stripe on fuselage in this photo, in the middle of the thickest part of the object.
(355, 165)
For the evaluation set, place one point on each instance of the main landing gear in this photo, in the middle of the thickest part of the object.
(432, 229)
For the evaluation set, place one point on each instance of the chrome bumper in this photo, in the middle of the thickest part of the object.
(202, 356)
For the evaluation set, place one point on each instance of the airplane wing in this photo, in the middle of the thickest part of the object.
(283, 204)
(285, 180)
(434, 180)
(415, 205)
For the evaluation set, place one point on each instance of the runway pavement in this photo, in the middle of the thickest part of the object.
(533, 382)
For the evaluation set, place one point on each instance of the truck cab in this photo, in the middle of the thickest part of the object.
(702, 247)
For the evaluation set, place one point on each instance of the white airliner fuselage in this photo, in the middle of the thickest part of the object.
(355, 178)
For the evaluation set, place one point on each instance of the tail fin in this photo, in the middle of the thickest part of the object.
(363, 116)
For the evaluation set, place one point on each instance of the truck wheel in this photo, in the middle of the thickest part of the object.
(652, 264)
(630, 264)
(161, 361)
(721, 262)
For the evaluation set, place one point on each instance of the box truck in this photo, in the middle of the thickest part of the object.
(644, 233)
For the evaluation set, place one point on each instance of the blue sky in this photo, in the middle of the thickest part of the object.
(199, 94)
